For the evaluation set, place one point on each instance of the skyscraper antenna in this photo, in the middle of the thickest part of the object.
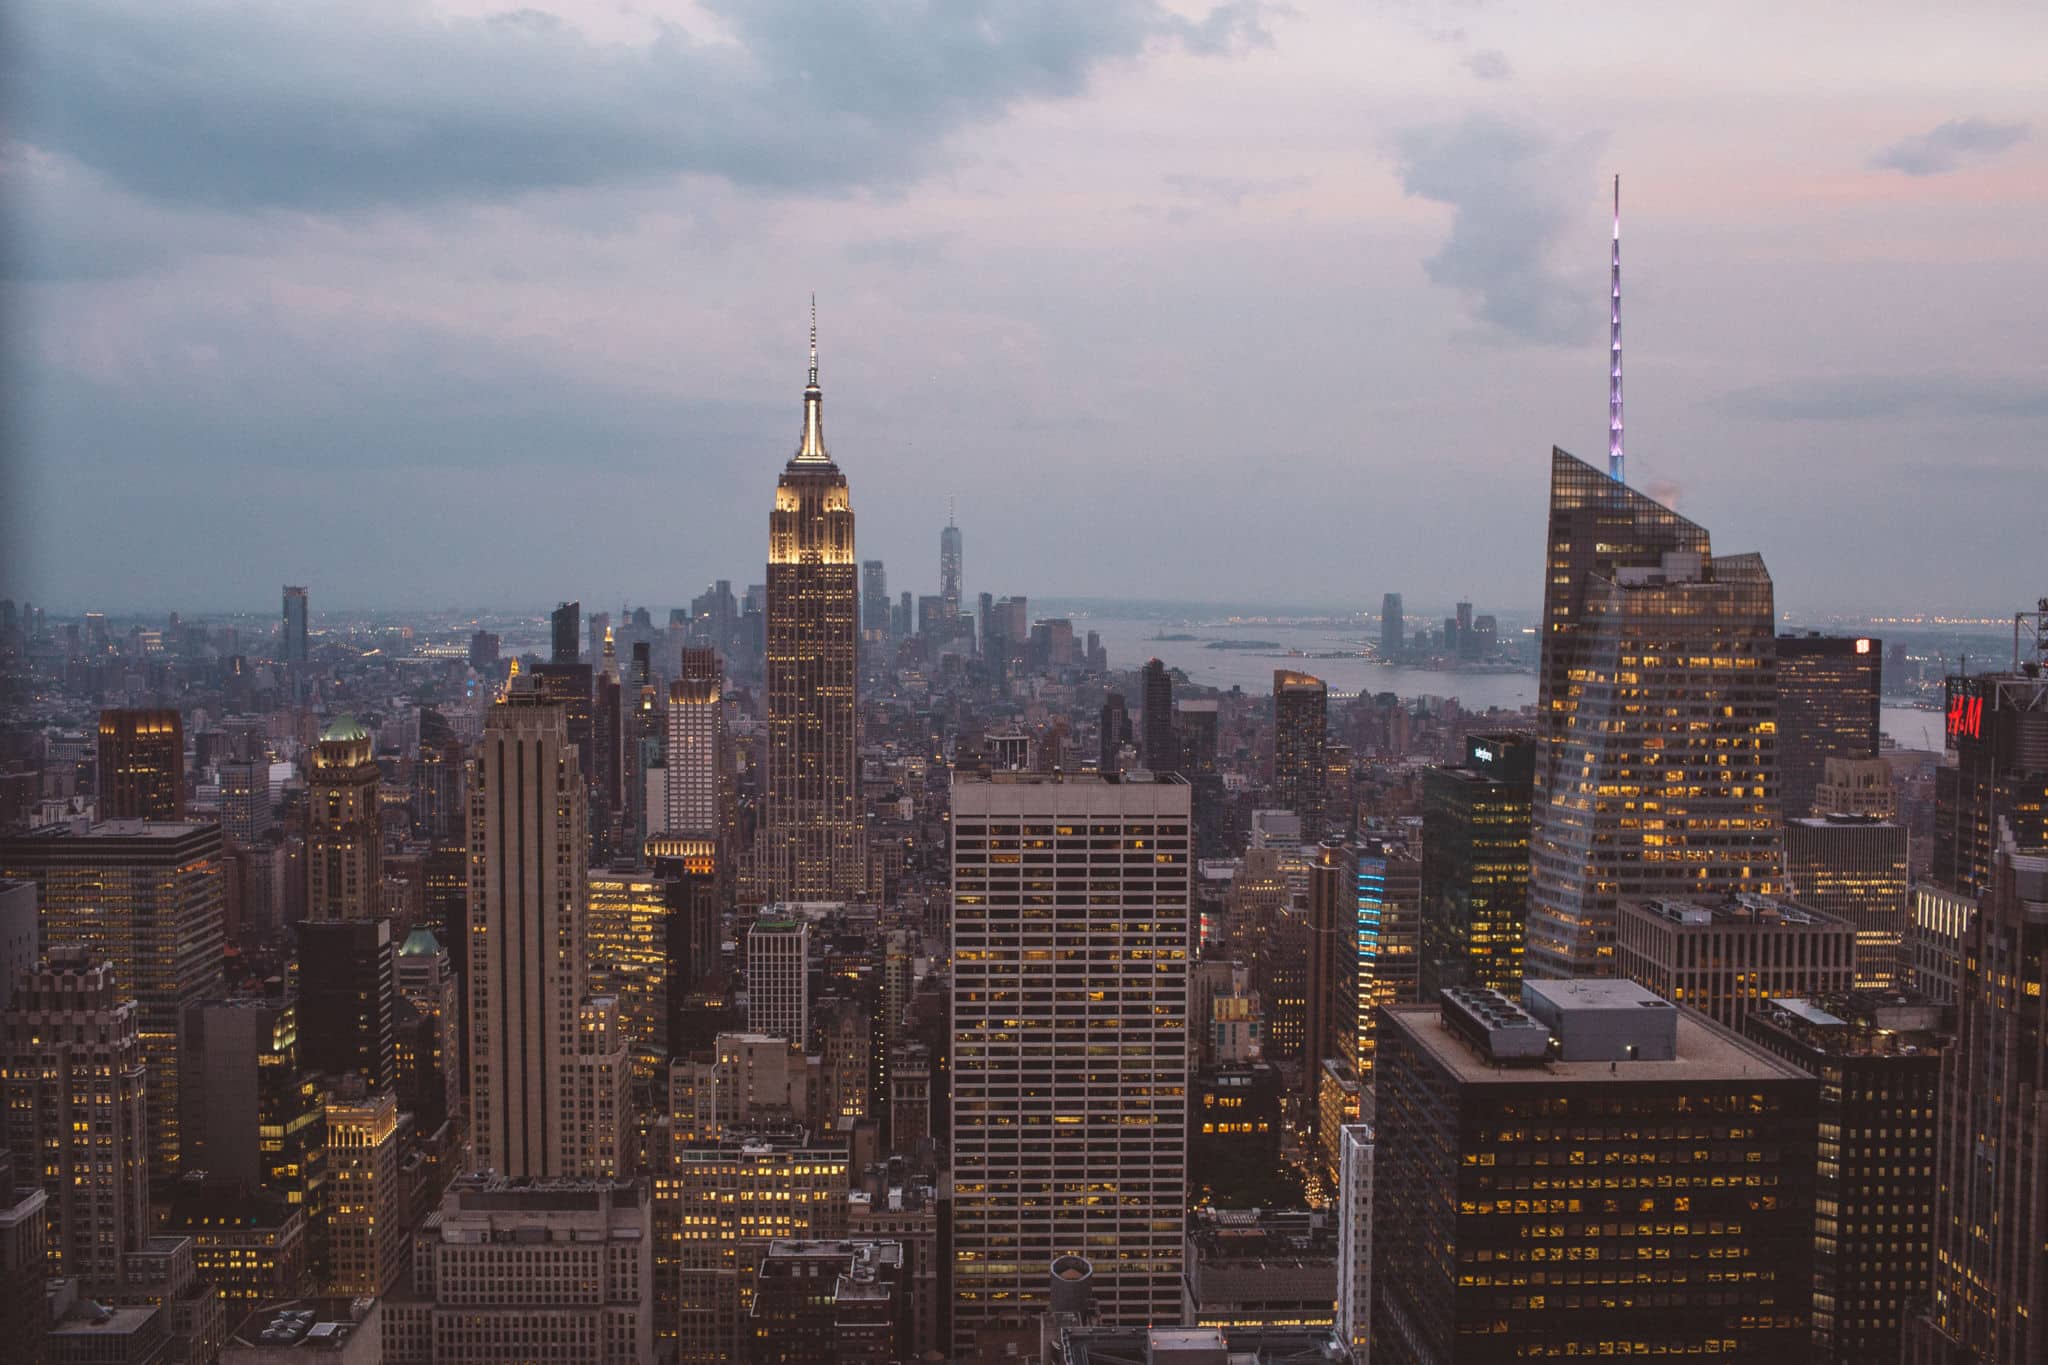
(814, 320)
(949, 509)
(1615, 467)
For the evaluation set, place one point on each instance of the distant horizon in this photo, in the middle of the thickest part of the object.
(1127, 608)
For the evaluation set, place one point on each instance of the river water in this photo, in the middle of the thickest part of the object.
(1131, 640)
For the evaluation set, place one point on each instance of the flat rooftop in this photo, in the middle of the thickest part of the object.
(1706, 1052)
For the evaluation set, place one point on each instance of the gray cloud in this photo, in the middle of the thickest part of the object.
(1945, 148)
(1513, 192)
(323, 105)
(1882, 396)
(1490, 64)
(1233, 190)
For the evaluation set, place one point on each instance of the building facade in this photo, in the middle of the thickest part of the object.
(1069, 1050)
(72, 1113)
(142, 765)
(528, 956)
(147, 897)
(1656, 763)
(1856, 868)
(813, 842)
(1726, 958)
(344, 835)
(1475, 865)
(1639, 1182)
(1829, 691)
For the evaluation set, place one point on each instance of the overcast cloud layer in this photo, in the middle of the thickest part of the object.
(440, 303)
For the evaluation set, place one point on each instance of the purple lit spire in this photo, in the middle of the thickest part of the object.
(1614, 457)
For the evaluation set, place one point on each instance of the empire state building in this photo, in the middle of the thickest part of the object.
(813, 839)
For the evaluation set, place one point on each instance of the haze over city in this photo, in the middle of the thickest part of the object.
(437, 304)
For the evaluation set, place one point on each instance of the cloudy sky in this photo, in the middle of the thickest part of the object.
(449, 304)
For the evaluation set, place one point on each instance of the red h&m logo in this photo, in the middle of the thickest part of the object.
(1966, 718)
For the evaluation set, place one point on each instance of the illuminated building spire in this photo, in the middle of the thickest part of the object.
(811, 450)
(1615, 468)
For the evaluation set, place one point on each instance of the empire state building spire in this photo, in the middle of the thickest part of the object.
(1615, 469)
(811, 449)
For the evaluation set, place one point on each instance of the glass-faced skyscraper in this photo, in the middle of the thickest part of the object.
(813, 842)
(949, 569)
(1656, 756)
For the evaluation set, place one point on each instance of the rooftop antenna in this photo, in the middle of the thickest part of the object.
(1615, 466)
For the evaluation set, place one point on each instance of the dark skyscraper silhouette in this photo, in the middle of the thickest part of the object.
(568, 633)
(949, 568)
(1116, 729)
(1829, 691)
(292, 648)
(142, 765)
(1162, 747)
(1300, 731)
(1392, 626)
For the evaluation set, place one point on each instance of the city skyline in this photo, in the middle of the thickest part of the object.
(330, 348)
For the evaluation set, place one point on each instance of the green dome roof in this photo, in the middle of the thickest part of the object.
(344, 728)
(420, 943)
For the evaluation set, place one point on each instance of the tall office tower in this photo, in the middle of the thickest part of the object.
(1300, 730)
(874, 602)
(1389, 970)
(1354, 1240)
(903, 617)
(483, 651)
(597, 630)
(424, 976)
(1161, 752)
(567, 631)
(1998, 731)
(829, 1303)
(1878, 1061)
(1725, 958)
(813, 837)
(1116, 732)
(245, 815)
(440, 805)
(1857, 786)
(697, 769)
(949, 567)
(1330, 1029)
(1829, 690)
(1069, 1067)
(252, 1113)
(527, 950)
(346, 995)
(142, 765)
(1468, 639)
(20, 934)
(608, 746)
(635, 917)
(366, 1195)
(778, 978)
(573, 686)
(148, 898)
(24, 1258)
(1682, 1149)
(1475, 865)
(293, 647)
(734, 1199)
(1856, 868)
(1990, 1300)
(1656, 765)
(503, 1270)
(344, 834)
(71, 1112)
(1392, 641)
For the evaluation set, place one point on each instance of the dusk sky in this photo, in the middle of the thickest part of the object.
(434, 304)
